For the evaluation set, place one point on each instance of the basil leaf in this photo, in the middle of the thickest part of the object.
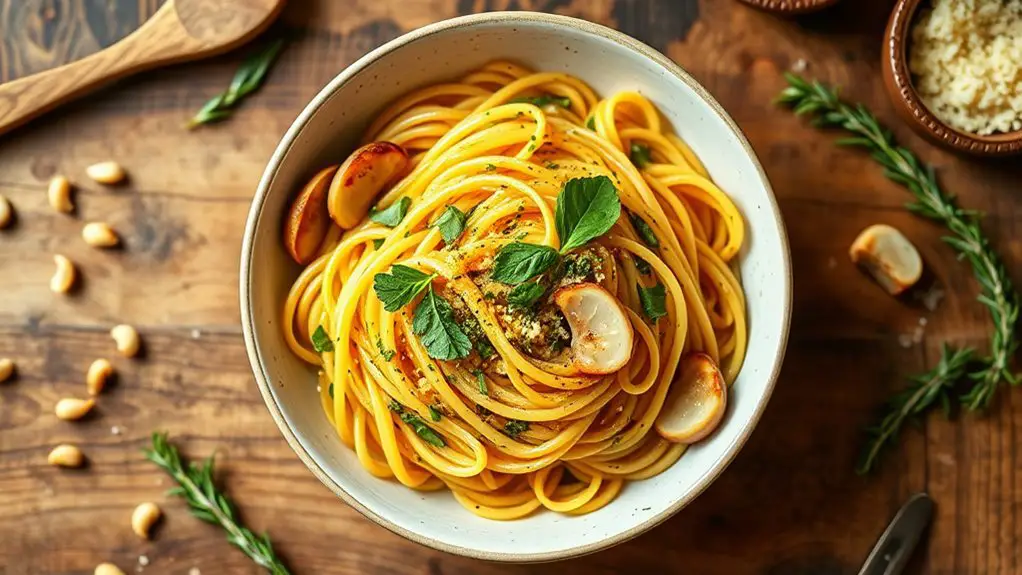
(434, 413)
(321, 341)
(518, 262)
(525, 295)
(451, 223)
(424, 431)
(440, 334)
(640, 156)
(544, 100)
(481, 380)
(654, 301)
(586, 209)
(513, 428)
(398, 288)
(645, 231)
(393, 215)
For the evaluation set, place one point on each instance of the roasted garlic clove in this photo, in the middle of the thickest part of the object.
(367, 171)
(888, 256)
(308, 221)
(696, 403)
(601, 334)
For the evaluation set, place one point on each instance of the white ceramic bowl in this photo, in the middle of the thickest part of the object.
(329, 128)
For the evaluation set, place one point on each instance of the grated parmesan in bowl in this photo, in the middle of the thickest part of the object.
(966, 61)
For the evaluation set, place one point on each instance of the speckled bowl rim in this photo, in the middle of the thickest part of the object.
(248, 255)
(900, 86)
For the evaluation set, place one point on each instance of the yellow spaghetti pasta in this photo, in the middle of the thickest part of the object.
(459, 376)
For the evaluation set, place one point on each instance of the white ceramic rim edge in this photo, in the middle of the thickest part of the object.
(263, 380)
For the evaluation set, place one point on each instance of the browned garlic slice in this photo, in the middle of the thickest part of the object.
(601, 334)
(308, 221)
(696, 402)
(888, 256)
(367, 171)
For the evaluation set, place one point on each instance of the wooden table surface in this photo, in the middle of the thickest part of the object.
(789, 504)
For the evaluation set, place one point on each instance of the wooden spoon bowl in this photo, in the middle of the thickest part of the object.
(908, 104)
(790, 7)
(179, 31)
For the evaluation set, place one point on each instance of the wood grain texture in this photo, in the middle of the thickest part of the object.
(789, 504)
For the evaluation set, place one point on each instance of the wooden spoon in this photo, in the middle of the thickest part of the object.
(179, 31)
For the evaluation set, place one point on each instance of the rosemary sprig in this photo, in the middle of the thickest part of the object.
(246, 80)
(997, 293)
(197, 486)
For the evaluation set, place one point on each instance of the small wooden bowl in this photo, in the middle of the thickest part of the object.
(908, 104)
(790, 7)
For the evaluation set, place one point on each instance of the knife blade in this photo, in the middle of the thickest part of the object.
(894, 548)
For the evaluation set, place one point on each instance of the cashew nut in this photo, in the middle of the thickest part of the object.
(127, 339)
(108, 172)
(6, 212)
(143, 518)
(64, 277)
(100, 235)
(99, 372)
(59, 194)
(65, 455)
(6, 368)
(107, 569)
(72, 408)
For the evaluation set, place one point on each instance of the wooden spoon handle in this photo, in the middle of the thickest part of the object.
(160, 40)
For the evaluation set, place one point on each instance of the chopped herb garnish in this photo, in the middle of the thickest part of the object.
(591, 123)
(485, 348)
(552, 166)
(514, 427)
(645, 231)
(434, 413)
(525, 295)
(586, 209)
(393, 215)
(330, 390)
(544, 100)
(654, 301)
(518, 262)
(481, 380)
(321, 341)
(378, 242)
(387, 354)
(440, 334)
(394, 406)
(640, 155)
(642, 265)
(398, 288)
(424, 431)
(450, 223)
(490, 167)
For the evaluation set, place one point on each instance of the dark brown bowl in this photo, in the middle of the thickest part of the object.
(791, 7)
(908, 104)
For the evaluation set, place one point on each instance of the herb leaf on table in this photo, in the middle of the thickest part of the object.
(247, 79)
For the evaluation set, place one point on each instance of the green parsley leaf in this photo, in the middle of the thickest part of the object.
(642, 265)
(440, 334)
(586, 209)
(387, 354)
(654, 301)
(321, 341)
(481, 380)
(398, 288)
(424, 431)
(451, 223)
(513, 428)
(393, 215)
(645, 231)
(591, 123)
(544, 100)
(394, 406)
(518, 262)
(524, 295)
(378, 242)
(434, 413)
(640, 156)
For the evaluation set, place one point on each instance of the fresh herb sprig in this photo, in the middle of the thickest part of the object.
(247, 79)
(984, 374)
(207, 502)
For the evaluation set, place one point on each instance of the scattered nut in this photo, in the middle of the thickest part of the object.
(888, 256)
(126, 338)
(64, 277)
(72, 408)
(59, 194)
(108, 172)
(99, 372)
(65, 455)
(100, 235)
(6, 368)
(6, 212)
(143, 518)
(107, 569)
